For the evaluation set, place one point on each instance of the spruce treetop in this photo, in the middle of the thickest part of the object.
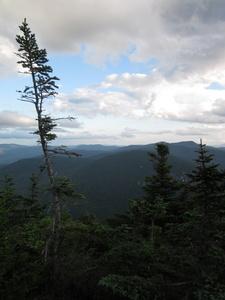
(33, 61)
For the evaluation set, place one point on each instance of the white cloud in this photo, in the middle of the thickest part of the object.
(219, 108)
(8, 60)
(212, 134)
(185, 37)
(147, 96)
(15, 119)
(67, 122)
(90, 103)
(193, 131)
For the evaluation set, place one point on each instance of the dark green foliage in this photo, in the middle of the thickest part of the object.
(152, 252)
(205, 225)
(21, 243)
(161, 184)
(34, 60)
(131, 287)
(47, 126)
(159, 202)
(172, 257)
(43, 87)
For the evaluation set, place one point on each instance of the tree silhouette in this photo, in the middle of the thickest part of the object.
(43, 87)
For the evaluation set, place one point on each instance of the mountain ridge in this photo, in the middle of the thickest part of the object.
(108, 179)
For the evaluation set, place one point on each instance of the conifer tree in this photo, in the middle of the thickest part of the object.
(160, 190)
(201, 236)
(21, 242)
(161, 184)
(43, 87)
(207, 185)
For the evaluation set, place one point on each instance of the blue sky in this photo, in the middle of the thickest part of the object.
(131, 71)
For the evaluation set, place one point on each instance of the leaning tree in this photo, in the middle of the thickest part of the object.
(43, 87)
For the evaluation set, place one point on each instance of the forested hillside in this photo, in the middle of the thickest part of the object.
(168, 244)
(108, 176)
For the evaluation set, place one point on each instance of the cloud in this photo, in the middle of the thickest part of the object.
(8, 60)
(147, 96)
(16, 134)
(185, 37)
(87, 137)
(193, 131)
(219, 108)
(211, 134)
(134, 98)
(67, 122)
(14, 119)
(132, 132)
(90, 103)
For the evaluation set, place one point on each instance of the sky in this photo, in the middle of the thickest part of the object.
(131, 71)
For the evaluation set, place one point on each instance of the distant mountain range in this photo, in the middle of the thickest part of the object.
(108, 176)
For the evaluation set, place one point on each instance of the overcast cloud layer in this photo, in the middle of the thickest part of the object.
(182, 41)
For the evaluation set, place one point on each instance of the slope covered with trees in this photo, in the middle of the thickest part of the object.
(107, 178)
(168, 245)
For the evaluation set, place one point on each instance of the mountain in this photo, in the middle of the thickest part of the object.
(10, 153)
(108, 178)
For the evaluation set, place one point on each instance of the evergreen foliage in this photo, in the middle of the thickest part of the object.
(43, 87)
(161, 184)
(22, 241)
(205, 225)
(174, 257)
(160, 189)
